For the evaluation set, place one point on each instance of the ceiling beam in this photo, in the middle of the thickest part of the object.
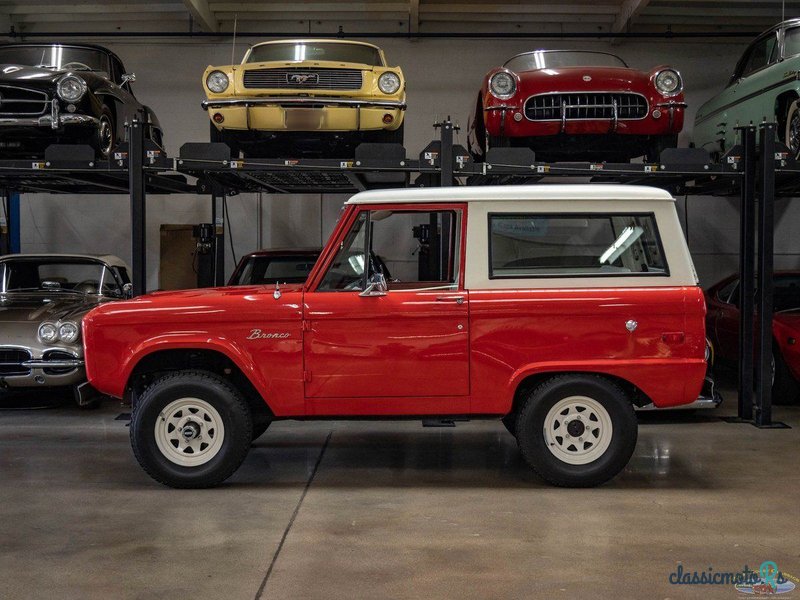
(202, 14)
(413, 16)
(628, 12)
(310, 7)
(84, 9)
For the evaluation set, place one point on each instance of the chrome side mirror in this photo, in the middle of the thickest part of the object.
(127, 291)
(127, 78)
(376, 287)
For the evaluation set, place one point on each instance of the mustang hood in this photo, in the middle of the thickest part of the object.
(37, 308)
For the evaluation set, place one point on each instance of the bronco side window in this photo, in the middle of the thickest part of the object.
(570, 245)
(413, 249)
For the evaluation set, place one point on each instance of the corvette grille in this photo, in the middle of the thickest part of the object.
(55, 355)
(303, 79)
(22, 102)
(11, 360)
(578, 106)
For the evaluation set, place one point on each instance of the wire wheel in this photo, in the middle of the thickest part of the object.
(578, 430)
(189, 432)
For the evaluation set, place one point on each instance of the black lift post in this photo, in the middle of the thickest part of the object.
(218, 222)
(764, 313)
(136, 183)
(747, 229)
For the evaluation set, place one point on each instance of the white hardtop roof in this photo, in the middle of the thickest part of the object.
(109, 259)
(505, 193)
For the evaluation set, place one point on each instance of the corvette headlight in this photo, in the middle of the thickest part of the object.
(503, 85)
(48, 333)
(389, 82)
(68, 332)
(71, 88)
(217, 82)
(668, 82)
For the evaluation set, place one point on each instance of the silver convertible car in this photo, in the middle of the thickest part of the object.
(43, 298)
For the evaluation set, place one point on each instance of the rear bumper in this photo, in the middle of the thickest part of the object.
(305, 114)
(709, 398)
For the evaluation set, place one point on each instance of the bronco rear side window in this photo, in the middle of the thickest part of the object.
(574, 245)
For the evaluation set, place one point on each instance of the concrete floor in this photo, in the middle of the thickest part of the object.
(393, 511)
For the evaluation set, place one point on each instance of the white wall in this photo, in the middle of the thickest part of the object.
(443, 78)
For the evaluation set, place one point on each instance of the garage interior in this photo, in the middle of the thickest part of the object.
(354, 509)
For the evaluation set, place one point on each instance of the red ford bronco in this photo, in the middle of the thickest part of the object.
(554, 308)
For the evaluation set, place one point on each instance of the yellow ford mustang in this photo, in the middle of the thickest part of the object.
(306, 96)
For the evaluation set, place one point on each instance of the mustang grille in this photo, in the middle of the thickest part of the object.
(577, 106)
(305, 79)
(11, 360)
(22, 102)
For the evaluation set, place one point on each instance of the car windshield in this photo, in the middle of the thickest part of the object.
(53, 56)
(261, 270)
(786, 292)
(300, 51)
(554, 59)
(58, 276)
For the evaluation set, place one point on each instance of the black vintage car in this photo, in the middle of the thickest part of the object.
(68, 94)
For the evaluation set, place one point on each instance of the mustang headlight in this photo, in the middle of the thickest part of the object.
(68, 332)
(71, 88)
(48, 333)
(668, 82)
(389, 82)
(217, 82)
(503, 85)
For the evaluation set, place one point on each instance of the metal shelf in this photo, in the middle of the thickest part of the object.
(141, 168)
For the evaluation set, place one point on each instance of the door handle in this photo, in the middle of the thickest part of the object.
(456, 299)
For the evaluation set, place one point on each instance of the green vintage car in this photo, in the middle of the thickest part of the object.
(764, 86)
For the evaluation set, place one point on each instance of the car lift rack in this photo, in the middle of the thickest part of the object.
(757, 173)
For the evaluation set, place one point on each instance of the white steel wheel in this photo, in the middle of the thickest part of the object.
(189, 432)
(578, 430)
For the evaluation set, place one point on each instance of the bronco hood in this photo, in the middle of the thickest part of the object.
(207, 305)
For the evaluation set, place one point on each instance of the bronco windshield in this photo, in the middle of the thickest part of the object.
(56, 57)
(554, 59)
(314, 51)
(54, 275)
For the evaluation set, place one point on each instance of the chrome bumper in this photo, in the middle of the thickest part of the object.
(37, 377)
(54, 120)
(709, 398)
(54, 364)
(292, 101)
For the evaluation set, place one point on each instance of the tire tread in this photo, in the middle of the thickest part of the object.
(239, 450)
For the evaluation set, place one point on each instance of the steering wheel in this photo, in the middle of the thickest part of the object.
(87, 286)
(78, 66)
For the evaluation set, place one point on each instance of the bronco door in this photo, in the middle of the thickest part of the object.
(399, 347)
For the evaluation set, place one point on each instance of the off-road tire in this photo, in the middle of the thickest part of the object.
(531, 422)
(212, 389)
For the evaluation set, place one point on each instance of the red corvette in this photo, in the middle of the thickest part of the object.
(577, 105)
(722, 327)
